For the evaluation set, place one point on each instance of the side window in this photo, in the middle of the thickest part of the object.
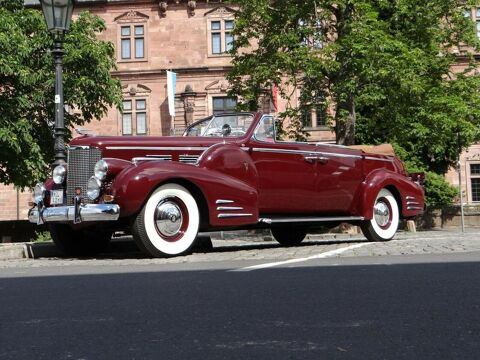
(265, 130)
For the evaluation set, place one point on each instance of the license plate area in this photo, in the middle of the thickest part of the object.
(56, 197)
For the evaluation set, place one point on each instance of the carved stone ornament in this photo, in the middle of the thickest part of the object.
(191, 6)
(221, 11)
(131, 16)
(135, 90)
(162, 7)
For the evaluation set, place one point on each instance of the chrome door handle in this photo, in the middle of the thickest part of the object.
(314, 158)
(322, 159)
(310, 159)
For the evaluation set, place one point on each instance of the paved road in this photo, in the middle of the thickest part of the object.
(419, 301)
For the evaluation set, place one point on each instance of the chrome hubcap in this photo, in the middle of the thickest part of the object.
(168, 218)
(382, 213)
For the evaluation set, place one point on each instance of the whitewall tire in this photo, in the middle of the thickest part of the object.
(168, 223)
(385, 220)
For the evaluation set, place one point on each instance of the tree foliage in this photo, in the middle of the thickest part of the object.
(384, 67)
(27, 83)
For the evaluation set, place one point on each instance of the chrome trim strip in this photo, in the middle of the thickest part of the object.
(227, 208)
(166, 157)
(332, 145)
(188, 159)
(223, 216)
(377, 159)
(222, 201)
(180, 148)
(138, 159)
(83, 147)
(88, 212)
(310, 219)
(410, 197)
(302, 152)
(414, 208)
(413, 203)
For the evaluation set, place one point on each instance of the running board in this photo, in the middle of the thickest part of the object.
(284, 220)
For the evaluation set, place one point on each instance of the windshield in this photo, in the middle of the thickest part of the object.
(221, 125)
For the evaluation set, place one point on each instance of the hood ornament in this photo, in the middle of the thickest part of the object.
(85, 132)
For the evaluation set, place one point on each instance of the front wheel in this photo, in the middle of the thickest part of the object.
(168, 223)
(384, 224)
(289, 236)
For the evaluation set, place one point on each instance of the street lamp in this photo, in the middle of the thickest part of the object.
(58, 16)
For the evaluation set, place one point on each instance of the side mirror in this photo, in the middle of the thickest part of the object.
(226, 130)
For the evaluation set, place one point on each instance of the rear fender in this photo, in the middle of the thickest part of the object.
(230, 202)
(404, 190)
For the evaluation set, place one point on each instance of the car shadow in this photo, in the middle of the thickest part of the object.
(125, 247)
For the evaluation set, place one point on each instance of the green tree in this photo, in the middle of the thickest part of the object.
(384, 67)
(27, 83)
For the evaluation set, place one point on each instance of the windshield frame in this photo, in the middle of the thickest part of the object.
(216, 131)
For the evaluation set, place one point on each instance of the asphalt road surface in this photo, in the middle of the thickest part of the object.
(368, 307)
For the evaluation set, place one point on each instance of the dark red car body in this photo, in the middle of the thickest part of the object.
(242, 181)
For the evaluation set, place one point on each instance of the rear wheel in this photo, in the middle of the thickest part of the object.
(168, 223)
(289, 236)
(83, 242)
(384, 224)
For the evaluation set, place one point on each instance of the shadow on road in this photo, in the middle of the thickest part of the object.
(125, 247)
(415, 311)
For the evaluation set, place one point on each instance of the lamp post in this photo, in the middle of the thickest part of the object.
(459, 169)
(58, 16)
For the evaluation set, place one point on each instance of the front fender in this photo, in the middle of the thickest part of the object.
(230, 201)
(405, 191)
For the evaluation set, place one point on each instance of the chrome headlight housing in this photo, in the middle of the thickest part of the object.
(101, 170)
(39, 193)
(93, 188)
(59, 174)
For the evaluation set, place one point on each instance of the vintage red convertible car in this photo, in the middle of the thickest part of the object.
(227, 172)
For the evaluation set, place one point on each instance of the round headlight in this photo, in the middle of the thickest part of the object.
(59, 174)
(93, 188)
(101, 169)
(39, 193)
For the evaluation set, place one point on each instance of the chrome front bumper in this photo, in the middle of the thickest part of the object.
(88, 212)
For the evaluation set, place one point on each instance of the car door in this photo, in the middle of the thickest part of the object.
(287, 178)
(339, 176)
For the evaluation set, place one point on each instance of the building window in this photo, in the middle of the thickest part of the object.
(221, 38)
(132, 42)
(134, 113)
(307, 117)
(311, 33)
(224, 104)
(475, 181)
(127, 118)
(314, 116)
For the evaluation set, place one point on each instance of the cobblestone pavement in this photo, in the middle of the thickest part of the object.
(252, 250)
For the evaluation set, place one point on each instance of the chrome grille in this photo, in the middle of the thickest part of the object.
(81, 162)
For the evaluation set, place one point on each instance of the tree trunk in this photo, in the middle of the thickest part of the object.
(345, 122)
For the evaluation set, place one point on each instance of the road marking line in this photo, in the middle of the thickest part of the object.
(292, 261)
